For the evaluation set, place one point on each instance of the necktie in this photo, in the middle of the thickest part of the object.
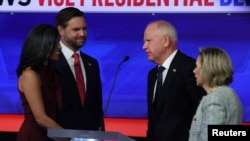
(158, 90)
(79, 77)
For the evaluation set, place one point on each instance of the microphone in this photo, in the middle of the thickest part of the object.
(126, 58)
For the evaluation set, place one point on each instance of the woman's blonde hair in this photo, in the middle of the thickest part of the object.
(216, 66)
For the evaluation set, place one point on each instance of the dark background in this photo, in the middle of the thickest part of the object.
(112, 36)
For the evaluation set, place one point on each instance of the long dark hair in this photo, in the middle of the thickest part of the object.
(38, 46)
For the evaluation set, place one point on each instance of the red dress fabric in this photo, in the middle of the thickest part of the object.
(30, 130)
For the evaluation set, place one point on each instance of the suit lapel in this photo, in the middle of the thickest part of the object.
(152, 79)
(171, 74)
(63, 65)
(88, 66)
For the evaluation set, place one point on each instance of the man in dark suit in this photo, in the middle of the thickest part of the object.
(77, 112)
(170, 115)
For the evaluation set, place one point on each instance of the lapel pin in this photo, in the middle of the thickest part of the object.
(174, 70)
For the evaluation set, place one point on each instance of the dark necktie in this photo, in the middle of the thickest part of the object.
(158, 90)
(79, 77)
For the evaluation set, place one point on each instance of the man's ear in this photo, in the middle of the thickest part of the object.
(60, 29)
(166, 40)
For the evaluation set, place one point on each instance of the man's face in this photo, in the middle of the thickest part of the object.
(153, 43)
(75, 34)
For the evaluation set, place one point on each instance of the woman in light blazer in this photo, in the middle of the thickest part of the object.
(221, 105)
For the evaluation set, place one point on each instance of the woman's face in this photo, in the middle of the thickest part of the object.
(197, 72)
(56, 53)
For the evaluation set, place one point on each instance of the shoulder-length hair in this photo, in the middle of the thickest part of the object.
(216, 66)
(38, 46)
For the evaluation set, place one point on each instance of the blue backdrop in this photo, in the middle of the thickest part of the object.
(115, 35)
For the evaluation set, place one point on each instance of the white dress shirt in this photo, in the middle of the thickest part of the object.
(68, 55)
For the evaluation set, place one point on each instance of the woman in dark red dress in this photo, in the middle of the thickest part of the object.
(38, 83)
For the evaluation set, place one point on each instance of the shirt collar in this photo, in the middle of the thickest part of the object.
(167, 62)
(67, 52)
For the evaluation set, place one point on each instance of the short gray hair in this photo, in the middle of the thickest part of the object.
(165, 27)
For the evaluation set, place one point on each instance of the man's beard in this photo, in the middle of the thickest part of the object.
(73, 43)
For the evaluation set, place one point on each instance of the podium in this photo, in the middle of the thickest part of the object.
(86, 135)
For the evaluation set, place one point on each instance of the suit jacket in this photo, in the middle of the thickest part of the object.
(72, 115)
(221, 107)
(177, 104)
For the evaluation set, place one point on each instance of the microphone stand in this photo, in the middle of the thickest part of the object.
(111, 90)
